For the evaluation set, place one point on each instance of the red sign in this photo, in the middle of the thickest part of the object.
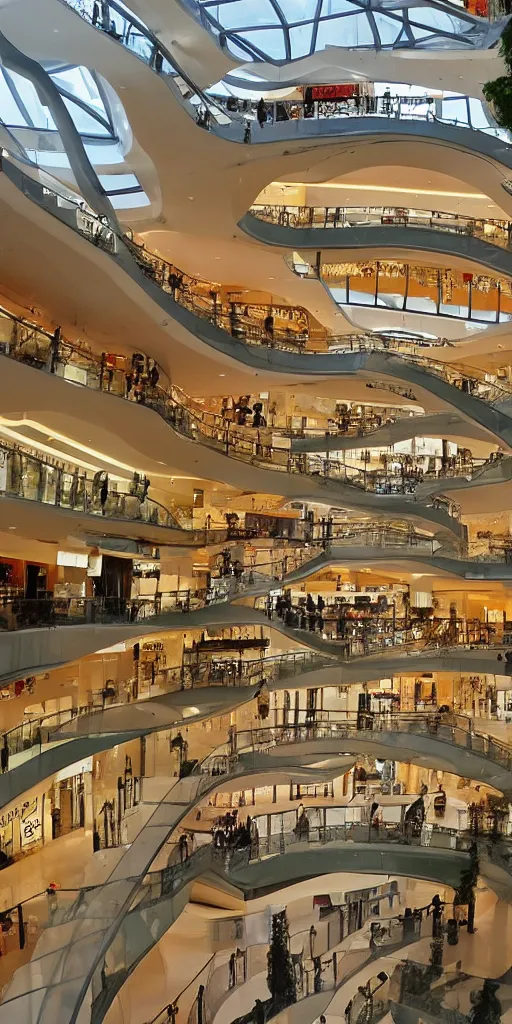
(332, 92)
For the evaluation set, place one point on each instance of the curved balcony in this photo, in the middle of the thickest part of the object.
(353, 436)
(336, 966)
(243, 459)
(253, 447)
(391, 546)
(28, 477)
(339, 958)
(397, 285)
(447, 742)
(78, 946)
(484, 242)
(83, 625)
(249, 342)
(39, 748)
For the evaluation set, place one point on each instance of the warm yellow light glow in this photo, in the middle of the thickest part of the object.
(6, 429)
(386, 188)
(40, 446)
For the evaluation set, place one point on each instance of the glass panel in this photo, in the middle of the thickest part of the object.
(298, 10)
(388, 29)
(484, 299)
(238, 52)
(336, 7)
(391, 285)
(349, 31)
(11, 113)
(477, 115)
(102, 154)
(300, 39)
(439, 21)
(505, 301)
(139, 43)
(132, 201)
(80, 83)
(422, 292)
(420, 33)
(83, 121)
(270, 42)
(237, 15)
(362, 289)
(456, 110)
(115, 181)
(40, 115)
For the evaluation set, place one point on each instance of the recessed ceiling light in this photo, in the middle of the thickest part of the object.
(191, 198)
(222, 374)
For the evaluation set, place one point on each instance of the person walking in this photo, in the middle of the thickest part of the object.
(261, 112)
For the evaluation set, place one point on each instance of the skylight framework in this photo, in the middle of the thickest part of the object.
(21, 107)
(278, 31)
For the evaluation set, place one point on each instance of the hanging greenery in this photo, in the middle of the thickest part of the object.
(499, 91)
(280, 973)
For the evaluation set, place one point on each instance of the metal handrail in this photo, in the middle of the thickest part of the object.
(53, 481)
(495, 232)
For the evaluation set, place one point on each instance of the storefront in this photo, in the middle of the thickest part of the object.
(70, 798)
(20, 578)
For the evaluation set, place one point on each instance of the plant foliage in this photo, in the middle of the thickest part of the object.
(280, 972)
(499, 91)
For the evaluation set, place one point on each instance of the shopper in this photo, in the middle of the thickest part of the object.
(261, 112)
(104, 495)
(268, 325)
(258, 419)
(4, 756)
(183, 847)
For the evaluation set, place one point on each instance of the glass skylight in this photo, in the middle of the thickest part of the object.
(283, 30)
(31, 131)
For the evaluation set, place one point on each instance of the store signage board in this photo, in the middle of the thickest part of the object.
(31, 824)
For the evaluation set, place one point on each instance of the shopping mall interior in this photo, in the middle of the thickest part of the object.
(255, 512)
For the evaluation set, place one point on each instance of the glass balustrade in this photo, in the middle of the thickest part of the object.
(375, 102)
(495, 232)
(25, 475)
(454, 729)
(252, 445)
